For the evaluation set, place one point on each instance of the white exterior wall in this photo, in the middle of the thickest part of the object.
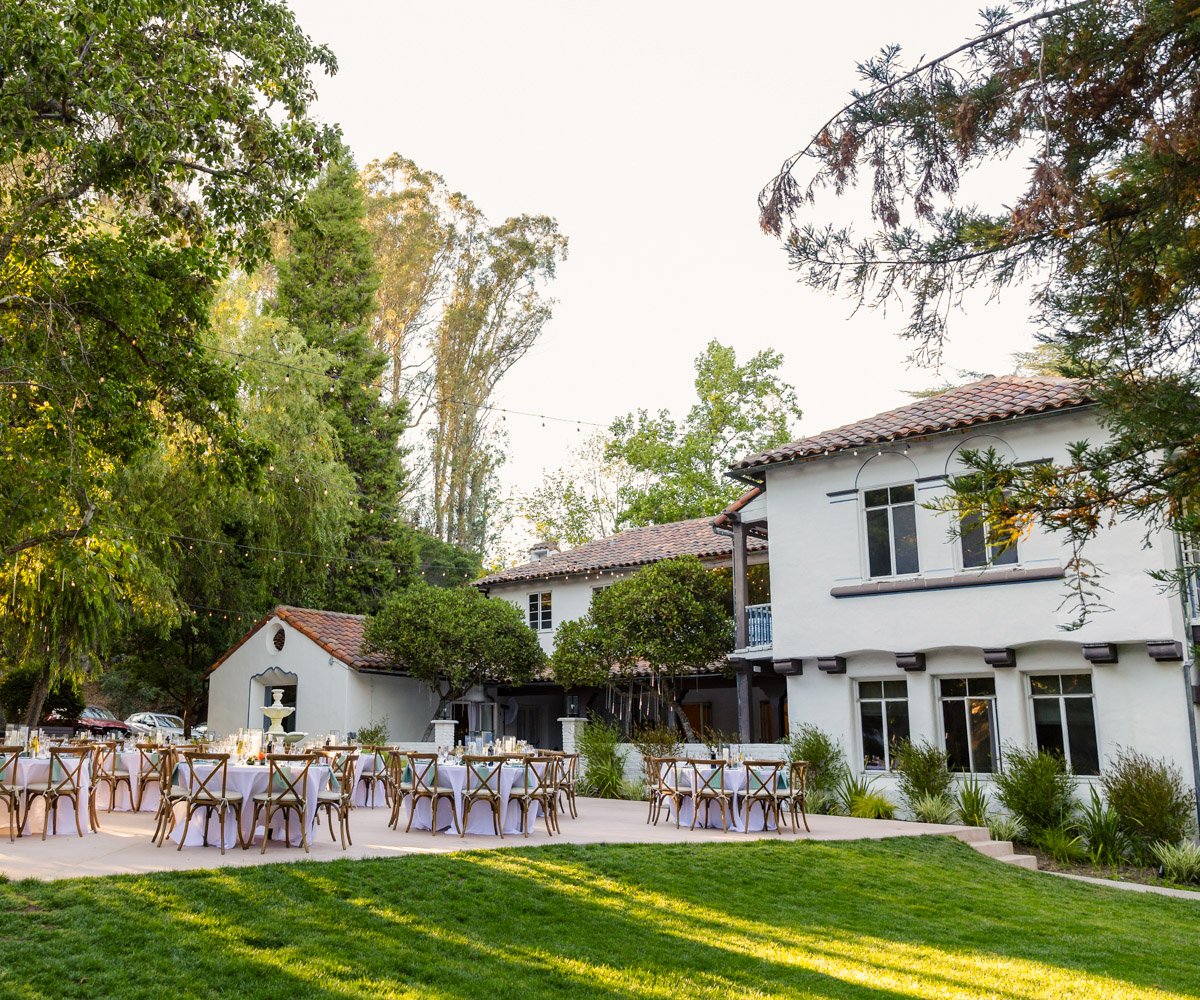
(329, 694)
(817, 542)
(571, 598)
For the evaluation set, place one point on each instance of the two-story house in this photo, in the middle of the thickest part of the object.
(887, 624)
(557, 586)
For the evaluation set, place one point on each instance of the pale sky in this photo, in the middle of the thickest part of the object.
(646, 128)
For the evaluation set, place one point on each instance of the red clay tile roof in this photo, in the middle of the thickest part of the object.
(634, 547)
(339, 634)
(752, 494)
(982, 402)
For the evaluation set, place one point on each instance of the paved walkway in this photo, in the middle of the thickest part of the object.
(123, 846)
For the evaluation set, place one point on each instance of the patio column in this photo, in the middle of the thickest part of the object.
(443, 732)
(742, 672)
(572, 726)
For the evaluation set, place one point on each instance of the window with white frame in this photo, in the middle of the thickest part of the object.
(891, 513)
(982, 544)
(541, 616)
(883, 721)
(1064, 719)
(969, 723)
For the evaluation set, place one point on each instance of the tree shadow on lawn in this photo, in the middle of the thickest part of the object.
(765, 919)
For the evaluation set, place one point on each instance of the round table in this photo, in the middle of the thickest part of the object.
(710, 814)
(36, 771)
(454, 777)
(130, 761)
(250, 780)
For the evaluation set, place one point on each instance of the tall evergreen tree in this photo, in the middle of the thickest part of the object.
(326, 290)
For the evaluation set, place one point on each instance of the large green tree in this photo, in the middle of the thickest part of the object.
(740, 409)
(326, 290)
(1101, 100)
(143, 146)
(666, 621)
(454, 638)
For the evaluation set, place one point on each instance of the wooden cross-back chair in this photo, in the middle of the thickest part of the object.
(169, 775)
(708, 787)
(10, 791)
(568, 779)
(763, 786)
(670, 785)
(339, 796)
(539, 786)
(483, 785)
(377, 776)
(400, 781)
(207, 783)
(794, 795)
(287, 790)
(66, 780)
(108, 771)
(425, 786)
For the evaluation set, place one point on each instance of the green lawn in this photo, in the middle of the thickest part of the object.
(901, 918)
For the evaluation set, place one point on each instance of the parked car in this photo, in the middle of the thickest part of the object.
(149, 723)
(101, 722)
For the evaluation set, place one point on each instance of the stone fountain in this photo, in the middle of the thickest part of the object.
(277, 712)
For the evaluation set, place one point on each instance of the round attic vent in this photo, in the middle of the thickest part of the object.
(278, 638)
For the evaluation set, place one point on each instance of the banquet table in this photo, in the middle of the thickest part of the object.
(250, 780)
(36, 771)
(710, 814)
(454, 777)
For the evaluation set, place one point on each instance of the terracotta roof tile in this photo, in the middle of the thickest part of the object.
(634, 547)
(980, 402)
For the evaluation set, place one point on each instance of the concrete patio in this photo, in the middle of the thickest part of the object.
(123, 846)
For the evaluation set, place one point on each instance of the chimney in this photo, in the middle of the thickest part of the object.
(542, 549)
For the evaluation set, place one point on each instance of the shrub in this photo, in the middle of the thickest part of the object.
(1179, 862)
(922, 769)
(972, 802)
(1150, 798)
(1036, 788)
(1061, 844)
(603, 765)
(826, 761)
(374, 734)
(932, 809)
(1006, 828)
(656, 741)
(1100, 827)
(859, 799)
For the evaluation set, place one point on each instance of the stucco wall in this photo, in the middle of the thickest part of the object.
(817, 531)
(329, 694)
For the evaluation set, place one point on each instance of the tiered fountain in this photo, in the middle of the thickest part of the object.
(277, 711)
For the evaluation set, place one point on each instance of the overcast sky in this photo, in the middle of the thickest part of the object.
(647, 129)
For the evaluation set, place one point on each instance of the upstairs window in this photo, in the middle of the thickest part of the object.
(982, 545)
(541, 618)
(892, 530)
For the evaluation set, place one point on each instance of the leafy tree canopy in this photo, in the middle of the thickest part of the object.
(739, 409)
(668, 619)
(1102, 100)
(454, 638)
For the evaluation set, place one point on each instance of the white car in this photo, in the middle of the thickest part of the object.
(148, 723)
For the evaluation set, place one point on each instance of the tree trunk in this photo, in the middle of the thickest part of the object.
(37, 698)
(668, 690)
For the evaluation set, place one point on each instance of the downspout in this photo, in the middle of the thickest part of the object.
(1189, 653)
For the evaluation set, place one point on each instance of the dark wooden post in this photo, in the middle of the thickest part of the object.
(741, 595)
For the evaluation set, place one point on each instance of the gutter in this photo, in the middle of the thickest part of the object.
(1189, 659)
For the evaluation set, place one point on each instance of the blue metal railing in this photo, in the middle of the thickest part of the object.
(758, 625)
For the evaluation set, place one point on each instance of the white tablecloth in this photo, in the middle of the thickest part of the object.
(454, 777)
(35, 771)
(710, 814)
(250, 780)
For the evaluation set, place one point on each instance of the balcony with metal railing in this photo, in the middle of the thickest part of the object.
(758, 626)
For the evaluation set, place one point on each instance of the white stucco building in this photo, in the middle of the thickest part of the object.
(558, 586)
(316, 657)
(887, 625)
